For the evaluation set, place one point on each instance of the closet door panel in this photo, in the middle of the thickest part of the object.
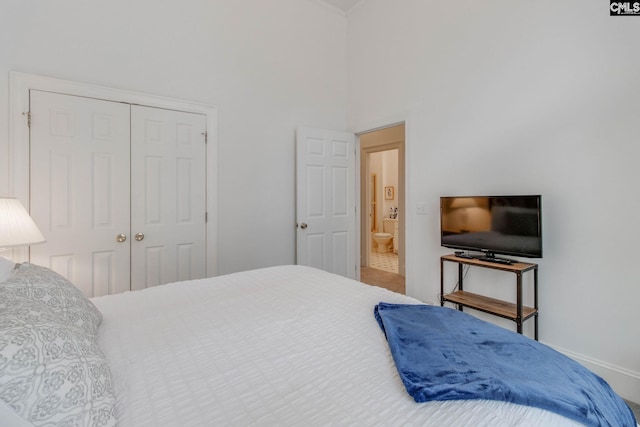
(80, 189)
(168, 204)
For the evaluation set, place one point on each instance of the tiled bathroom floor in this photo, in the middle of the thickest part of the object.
(387, 261)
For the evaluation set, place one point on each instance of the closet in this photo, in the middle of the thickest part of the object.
(118, 190)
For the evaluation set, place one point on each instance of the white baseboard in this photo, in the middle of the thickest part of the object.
(623, 381)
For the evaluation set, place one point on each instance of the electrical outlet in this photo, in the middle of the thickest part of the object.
(421, 208)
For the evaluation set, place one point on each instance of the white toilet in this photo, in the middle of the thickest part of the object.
(384, 240)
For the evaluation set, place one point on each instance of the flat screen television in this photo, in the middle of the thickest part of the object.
(492, 225)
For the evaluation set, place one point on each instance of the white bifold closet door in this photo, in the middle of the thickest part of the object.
(168, 200)
(118, 190)
(79, 191)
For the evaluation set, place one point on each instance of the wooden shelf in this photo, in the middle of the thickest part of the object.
(516, 312)
(489, 305)
(515, 267)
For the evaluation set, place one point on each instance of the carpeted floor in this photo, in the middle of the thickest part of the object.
(635, 407)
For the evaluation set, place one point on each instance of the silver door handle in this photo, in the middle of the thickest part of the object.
(121, 238)
(139, 236)
(303, 225)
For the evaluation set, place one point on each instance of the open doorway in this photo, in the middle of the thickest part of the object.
(382, 219)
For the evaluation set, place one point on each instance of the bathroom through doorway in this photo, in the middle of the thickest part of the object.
(382, 223)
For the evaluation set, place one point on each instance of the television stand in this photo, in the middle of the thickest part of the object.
(516, 312)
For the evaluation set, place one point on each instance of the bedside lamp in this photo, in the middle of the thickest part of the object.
(16, 226)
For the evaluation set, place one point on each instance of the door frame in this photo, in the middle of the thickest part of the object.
(364, 173)
(19, 174)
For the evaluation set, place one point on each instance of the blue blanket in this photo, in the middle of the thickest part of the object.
(444, 354)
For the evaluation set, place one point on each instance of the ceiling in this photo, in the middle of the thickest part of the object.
(345, 5)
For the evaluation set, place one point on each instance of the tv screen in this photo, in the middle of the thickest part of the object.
(508, 225)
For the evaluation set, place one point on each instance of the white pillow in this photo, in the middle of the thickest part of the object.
(6, 269)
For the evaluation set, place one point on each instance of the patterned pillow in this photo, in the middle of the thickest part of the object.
(51, 373)
(61, 296)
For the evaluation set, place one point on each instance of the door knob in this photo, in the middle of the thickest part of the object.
(139, 236)
(303, 225)
(121, 238)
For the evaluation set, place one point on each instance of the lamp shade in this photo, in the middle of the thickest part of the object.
(16, 226)
(464, 202)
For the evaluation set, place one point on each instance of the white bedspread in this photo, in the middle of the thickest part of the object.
(290, 346)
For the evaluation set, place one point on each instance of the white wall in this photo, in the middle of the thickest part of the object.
(267, 67)
(376, 167)
(519, 97)
(389, 179)
(384, 164)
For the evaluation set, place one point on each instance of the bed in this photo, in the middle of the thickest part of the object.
(286, 345)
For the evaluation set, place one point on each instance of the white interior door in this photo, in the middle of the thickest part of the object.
(168, 199)
(80, 189)
(325, 199)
